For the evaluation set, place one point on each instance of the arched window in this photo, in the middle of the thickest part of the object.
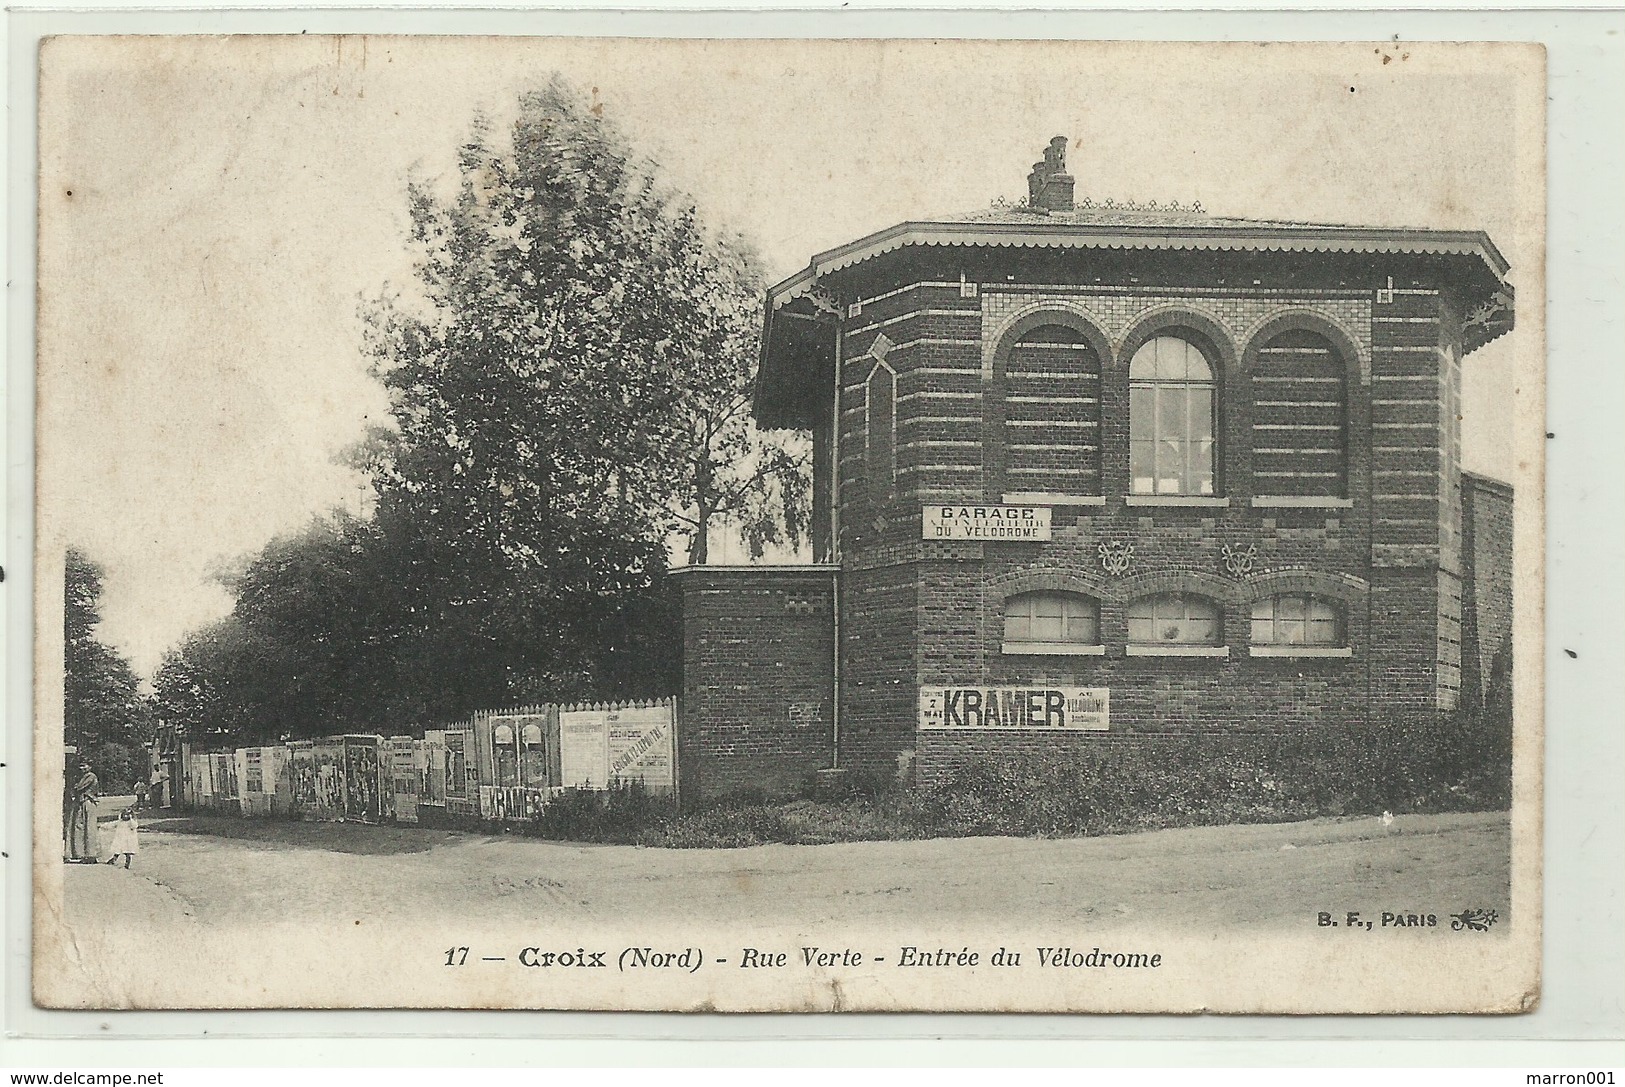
(1297, 619)
(1300, 411)
(1174, 619)
(1052, 413)
(1170, 418)
(1051, 622)
(880, 412)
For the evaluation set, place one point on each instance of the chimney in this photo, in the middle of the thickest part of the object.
(1035, 185)
(1054, 188)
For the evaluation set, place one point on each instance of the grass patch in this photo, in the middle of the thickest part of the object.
(357, 838)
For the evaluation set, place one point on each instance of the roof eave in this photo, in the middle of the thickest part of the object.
(1042, 234)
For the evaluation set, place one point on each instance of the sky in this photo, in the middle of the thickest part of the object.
(213, 211)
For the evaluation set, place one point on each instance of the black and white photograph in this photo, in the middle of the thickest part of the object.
(641, 524)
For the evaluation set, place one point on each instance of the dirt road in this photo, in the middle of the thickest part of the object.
(1231, 880)
(1234, 876)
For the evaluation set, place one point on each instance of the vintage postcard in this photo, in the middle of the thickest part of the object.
(682, 525)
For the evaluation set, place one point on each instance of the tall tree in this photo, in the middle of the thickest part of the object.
(730, 475)
(103, 712)
(569, 385)
(569, 390)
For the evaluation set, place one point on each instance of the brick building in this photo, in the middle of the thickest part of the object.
(1092, 474)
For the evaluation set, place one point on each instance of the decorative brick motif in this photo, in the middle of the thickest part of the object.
(1115, 556)
(1239, 560)
(1239, 313)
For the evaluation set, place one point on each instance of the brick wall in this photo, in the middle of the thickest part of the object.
(1340, 396)
(755, 712)
(878, 664)
(1404, 636)
(1487, 579)
(1339, 471)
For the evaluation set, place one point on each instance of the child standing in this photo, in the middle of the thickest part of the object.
(123, 840)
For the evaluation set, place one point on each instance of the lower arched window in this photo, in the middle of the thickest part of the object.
(1297, 619)
(1051, 622)
(1174, 619)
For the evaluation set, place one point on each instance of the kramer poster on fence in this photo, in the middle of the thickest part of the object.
(641, 524)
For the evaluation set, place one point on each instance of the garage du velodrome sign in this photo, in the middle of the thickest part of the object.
(1082, 708)
(950, 521)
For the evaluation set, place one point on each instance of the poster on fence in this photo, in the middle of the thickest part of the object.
(640, 747)
(251, 767)
(601, 746)
(318, 785)
(433, 769)
(583, 749)
(457, 775)
(403, 773)
(224, 767)
(361, 779)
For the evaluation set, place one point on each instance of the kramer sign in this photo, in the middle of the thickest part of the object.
(945, 521)
(1049, 708)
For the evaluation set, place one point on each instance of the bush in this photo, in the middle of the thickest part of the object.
(617, 814)
(1446, 762)
(1449, 763)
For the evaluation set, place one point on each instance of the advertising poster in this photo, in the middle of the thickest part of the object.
(457, 752)
(640, 747)
(433, 768)
(583, 749)
(403, 775)
(1083, 708)
(302, 775)
(327, 785)
(251, 773)
(362, 792)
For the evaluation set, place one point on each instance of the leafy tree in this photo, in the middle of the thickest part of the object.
(730, 474)
(187, 688)
(569, 385)
(577, 370)
(103, 712)
(306, 651)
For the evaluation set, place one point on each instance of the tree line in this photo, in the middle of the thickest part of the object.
(569, 384)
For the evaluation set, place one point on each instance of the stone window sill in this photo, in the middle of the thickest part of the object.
(1307, 502)
(1054, 649)
(1041, 498)
(1179, 651)
(1301, 651)
(1204, 501)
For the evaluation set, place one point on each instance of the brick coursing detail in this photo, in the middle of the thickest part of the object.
(1487, 580)
(758, 676)
(1412, 577)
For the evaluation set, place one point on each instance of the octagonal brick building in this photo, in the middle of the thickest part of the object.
(1195, 477)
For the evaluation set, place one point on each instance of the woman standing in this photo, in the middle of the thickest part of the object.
(83, 846)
